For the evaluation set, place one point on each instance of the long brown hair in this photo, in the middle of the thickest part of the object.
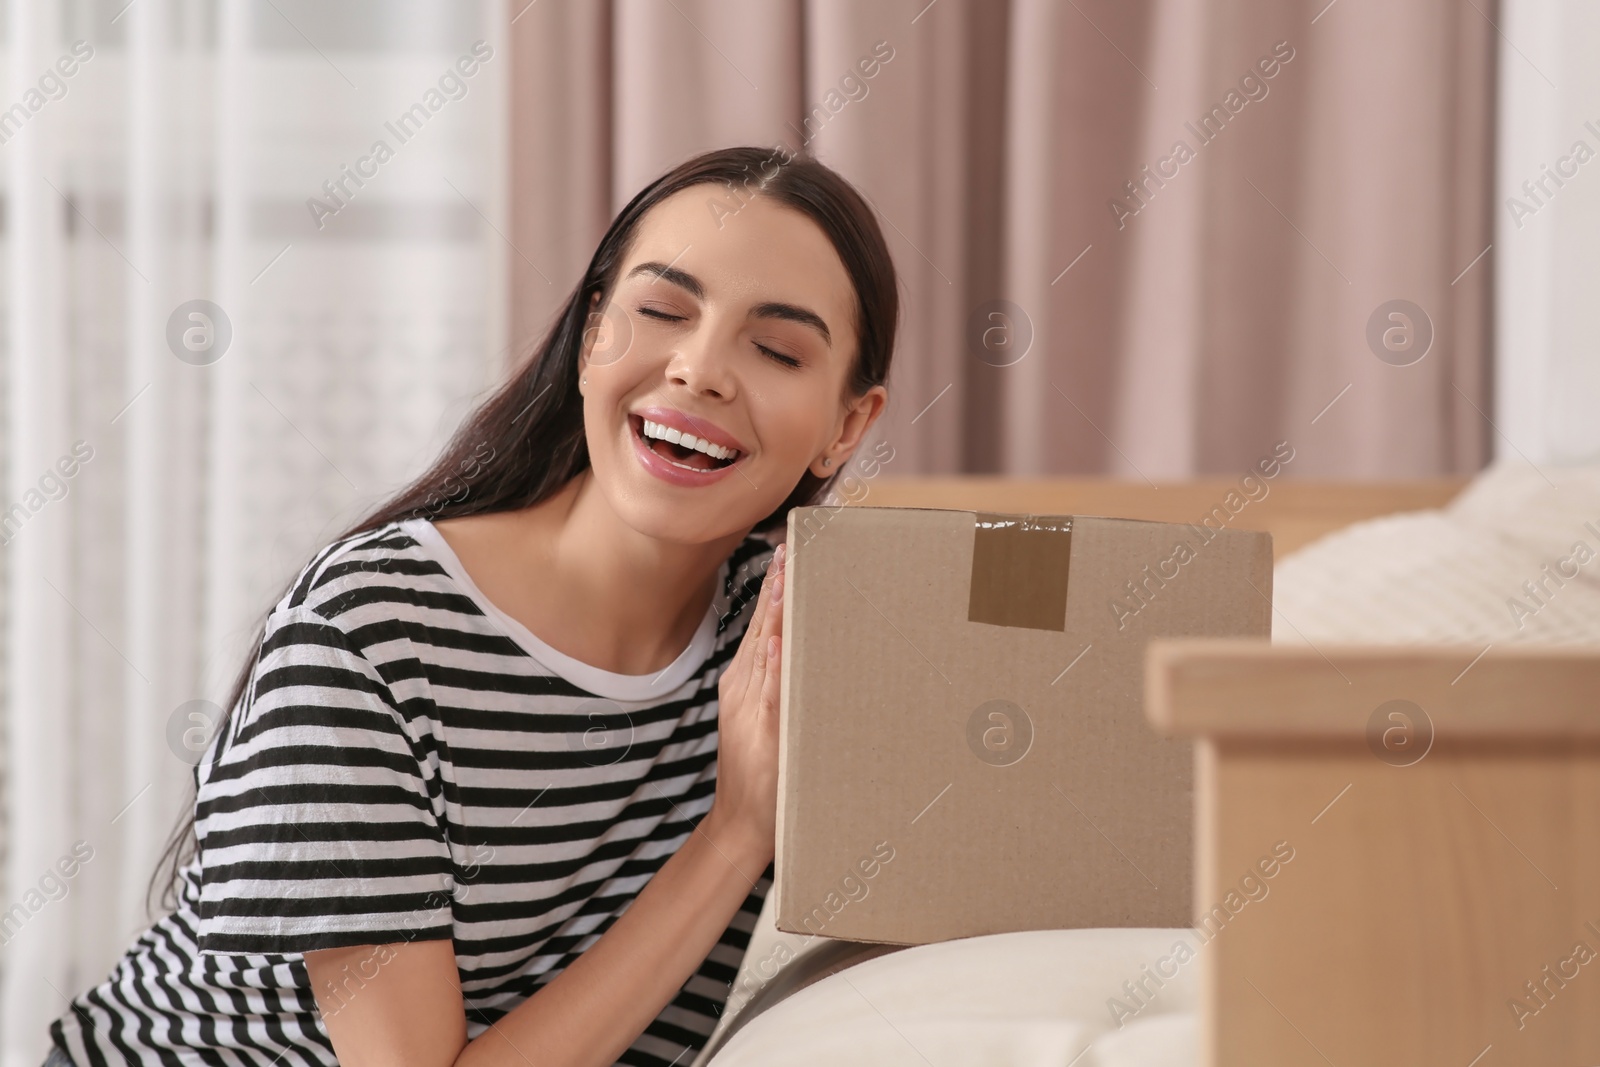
(526, 441)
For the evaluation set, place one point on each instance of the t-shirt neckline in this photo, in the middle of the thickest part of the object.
(602, 683)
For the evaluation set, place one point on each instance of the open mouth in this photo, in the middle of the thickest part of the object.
(689, 457)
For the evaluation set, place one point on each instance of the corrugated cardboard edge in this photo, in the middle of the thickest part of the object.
(785, 698)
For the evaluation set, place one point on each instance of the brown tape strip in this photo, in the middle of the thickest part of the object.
(1019, 570)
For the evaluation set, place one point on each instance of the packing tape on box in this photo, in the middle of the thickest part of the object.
(1019, 570)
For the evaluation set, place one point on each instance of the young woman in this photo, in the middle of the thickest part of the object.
(499, 786)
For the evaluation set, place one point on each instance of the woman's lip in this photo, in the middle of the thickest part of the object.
(683, 422)
(668, 471)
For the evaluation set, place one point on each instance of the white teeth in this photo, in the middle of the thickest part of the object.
(678, 437)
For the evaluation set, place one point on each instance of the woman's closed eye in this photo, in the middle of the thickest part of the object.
(787, 361)
(656, 313)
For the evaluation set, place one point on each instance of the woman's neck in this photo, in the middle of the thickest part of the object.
(588, 584)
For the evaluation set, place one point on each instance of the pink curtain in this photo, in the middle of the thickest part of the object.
(1184, 310)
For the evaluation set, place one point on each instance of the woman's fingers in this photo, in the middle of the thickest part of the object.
(762, 684)
(775, 587)
(775, 609)
(741, 671)
(747, 756)
(771, 678)
(762, 627)
(760, 616)
(740, 664)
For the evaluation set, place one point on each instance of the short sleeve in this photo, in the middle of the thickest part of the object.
(314, 820)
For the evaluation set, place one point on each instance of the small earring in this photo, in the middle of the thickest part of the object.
(583, 381)
(827, 462)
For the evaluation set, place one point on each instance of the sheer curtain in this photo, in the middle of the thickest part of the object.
(1547, 220)
(233, 322)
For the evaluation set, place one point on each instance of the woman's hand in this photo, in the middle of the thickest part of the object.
(747, 749)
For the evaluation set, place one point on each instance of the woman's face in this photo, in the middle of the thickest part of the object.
(734, 326)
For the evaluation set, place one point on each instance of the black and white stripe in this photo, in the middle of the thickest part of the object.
(410, 763)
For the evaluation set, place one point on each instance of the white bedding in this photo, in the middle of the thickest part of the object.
(1044, 997)
(1040, 997)
(1453, 574)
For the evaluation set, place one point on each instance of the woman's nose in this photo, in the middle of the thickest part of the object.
(702, 362)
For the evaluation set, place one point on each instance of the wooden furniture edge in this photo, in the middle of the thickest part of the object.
(1435, 491)
(1251, 688)
(1296, 513)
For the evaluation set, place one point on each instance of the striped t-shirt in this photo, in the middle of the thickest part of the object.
(412, 763)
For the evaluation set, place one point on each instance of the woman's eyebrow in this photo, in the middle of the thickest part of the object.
(772, 309)
(668, 273)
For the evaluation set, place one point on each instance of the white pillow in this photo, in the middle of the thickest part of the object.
(1456, 574)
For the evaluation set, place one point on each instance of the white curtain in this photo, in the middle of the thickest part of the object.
(206, 376)
(1547, 233)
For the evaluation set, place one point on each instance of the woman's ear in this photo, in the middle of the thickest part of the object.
(858, 419)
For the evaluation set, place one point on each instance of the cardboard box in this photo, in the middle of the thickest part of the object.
(963, 748)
